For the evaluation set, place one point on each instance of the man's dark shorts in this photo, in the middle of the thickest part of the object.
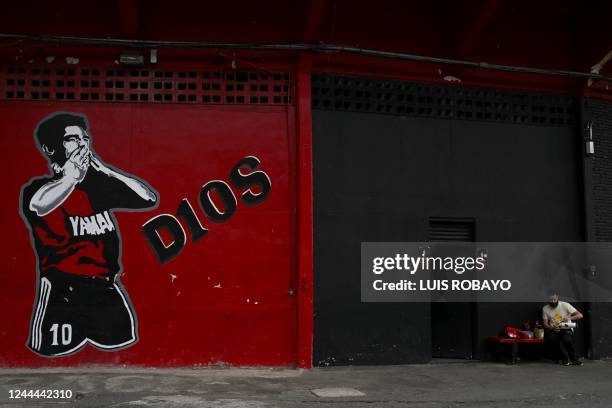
(71, 311)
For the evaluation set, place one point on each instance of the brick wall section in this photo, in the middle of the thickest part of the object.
(601, 112)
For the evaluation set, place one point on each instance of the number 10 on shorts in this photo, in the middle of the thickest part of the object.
(66, 332)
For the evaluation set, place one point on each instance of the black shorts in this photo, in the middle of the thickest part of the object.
(71, 311)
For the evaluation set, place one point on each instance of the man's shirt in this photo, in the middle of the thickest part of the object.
(80, 236)
(554, 316)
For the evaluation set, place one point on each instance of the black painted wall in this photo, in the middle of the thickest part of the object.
(379, 176)
(600, 113)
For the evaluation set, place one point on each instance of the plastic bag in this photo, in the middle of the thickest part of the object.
(512, 332)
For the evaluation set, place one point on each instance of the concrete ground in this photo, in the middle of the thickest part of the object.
(456, 384)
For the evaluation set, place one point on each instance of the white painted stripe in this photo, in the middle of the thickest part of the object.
(78, 346)
(44, 311)
(44, 289)
(46, 294)
(41, 288)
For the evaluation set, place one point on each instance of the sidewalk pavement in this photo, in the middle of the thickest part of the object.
(458, 384)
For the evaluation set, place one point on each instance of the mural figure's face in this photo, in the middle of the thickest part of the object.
(74, 138)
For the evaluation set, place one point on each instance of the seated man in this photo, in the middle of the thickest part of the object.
(557, 316)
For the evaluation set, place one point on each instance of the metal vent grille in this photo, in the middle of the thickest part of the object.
(69, 83)
(343, 93)
(452, 229)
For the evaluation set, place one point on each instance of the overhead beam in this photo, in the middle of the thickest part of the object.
(314, 17)
(592, 41)
(469, 35)
(128, 17)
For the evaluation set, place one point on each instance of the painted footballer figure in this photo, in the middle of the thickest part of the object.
(76, 239)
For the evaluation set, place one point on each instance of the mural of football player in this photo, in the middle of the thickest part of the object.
(75, 236)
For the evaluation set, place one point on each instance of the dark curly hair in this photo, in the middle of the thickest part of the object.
(50, 132)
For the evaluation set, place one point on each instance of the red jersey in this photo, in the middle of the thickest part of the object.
(81, 236)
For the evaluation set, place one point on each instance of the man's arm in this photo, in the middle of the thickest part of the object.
(52, 195)
(575, 315)
(547, 326)
(142, 190)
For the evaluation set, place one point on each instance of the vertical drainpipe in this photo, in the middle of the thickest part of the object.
(589, 233)
(587, 169)
(304, 212)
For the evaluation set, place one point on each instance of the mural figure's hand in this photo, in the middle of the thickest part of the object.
(99, 165)
(77, 164)
(139, 188)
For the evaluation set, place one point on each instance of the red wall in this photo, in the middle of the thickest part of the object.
(229, 302)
